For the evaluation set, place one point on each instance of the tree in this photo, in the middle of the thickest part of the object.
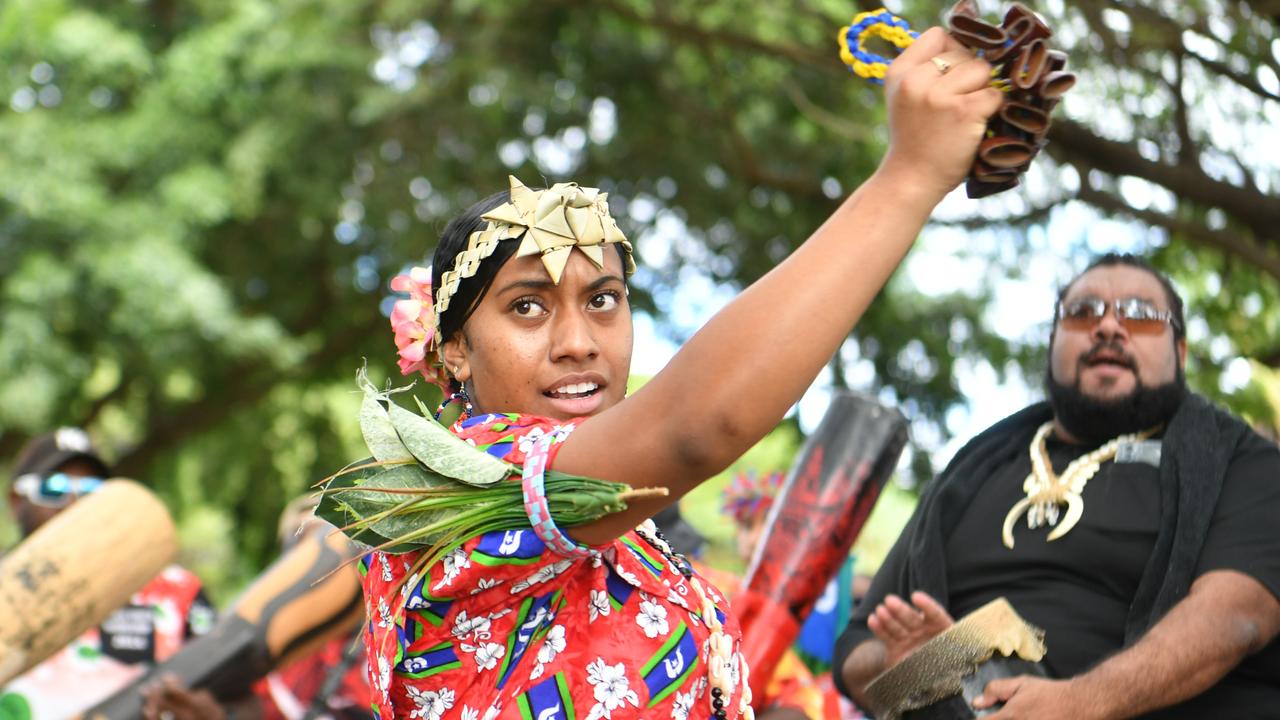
(201, 203)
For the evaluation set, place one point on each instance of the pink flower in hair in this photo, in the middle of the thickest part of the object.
(413, 322)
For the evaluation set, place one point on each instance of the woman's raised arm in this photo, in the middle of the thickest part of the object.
(737, 377)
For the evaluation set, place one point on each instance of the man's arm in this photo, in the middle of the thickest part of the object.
(1226, 616)
(861, 667)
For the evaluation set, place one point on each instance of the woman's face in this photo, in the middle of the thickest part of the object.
(534, 347)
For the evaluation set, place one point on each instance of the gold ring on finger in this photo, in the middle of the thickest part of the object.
(943, 66)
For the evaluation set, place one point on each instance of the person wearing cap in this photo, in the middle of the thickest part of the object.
(52, 472)
(333, 680)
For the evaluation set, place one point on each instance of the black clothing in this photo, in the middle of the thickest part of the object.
(1078, 586)
(1133, 555)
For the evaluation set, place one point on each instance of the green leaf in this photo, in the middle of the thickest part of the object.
(333, 508)
(377, 430)
(370, 503)
(437, 448)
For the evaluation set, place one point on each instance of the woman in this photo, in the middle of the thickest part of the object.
(609, 623)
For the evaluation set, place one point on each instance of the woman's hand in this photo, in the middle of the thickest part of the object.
(936, 118)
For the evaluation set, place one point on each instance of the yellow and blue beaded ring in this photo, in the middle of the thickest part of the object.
(853, 42)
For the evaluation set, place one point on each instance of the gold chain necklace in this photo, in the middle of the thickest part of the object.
(1046, 491)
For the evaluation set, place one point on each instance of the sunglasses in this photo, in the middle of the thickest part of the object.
(56, 490)
(1135, 314)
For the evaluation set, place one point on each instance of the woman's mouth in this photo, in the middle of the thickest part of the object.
(573, 391)
(577, 396)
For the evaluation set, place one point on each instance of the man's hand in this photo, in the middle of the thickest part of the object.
(903, 627)
(1026, 696)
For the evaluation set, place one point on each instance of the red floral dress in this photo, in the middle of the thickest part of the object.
(504, 628)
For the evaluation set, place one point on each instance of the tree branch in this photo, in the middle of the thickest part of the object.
(1081, 147)
(828, 62)
(855, 132)
(1188, 152)
(1146, 15)
(1244, 80)
(1037, 214)
(97, 405)
(1227, 242)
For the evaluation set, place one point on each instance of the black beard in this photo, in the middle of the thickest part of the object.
(1094, 421)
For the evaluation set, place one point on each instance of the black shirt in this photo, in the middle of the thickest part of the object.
(1078, 588)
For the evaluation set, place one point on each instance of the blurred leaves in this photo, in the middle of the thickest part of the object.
(201, 203)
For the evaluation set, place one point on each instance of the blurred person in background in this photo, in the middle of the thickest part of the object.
(331, 682)
(53, 471)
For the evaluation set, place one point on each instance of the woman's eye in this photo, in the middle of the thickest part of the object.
(528, 307)
(604, 301)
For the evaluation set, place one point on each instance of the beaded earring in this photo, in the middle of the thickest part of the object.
(460, 396)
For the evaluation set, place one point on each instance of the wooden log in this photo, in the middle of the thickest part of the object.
(72, 572)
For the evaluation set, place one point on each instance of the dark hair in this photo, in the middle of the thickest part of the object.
(452, 242)
(1171, 295)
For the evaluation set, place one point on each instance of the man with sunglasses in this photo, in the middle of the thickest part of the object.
(51, 472)
(1127, 517)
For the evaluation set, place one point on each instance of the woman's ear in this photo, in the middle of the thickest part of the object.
(454, 354)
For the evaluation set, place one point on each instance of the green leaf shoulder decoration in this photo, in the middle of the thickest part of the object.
(426, 489)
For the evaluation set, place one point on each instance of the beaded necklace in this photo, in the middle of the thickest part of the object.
(1046, 490)
(721, 655)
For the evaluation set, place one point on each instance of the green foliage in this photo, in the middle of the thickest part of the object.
(201, 203)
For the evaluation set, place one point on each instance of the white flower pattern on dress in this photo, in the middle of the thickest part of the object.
(384, 676)
(464, 626)
(453, 563)
(682, 705)
(611, 688)
(384, 614)
(553, 644)
(408, 587)
(484, 584)
(470, 713)
(599, 605)
(486, 655)
(560, 433)
(530, 439)
(627, 575)
(541, 575)
(431, 705)
(652, 617)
